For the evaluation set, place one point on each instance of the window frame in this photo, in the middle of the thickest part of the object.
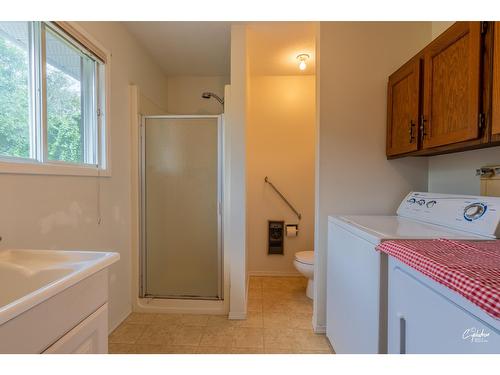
(38, 162)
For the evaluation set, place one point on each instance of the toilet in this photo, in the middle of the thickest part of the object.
(304, 263)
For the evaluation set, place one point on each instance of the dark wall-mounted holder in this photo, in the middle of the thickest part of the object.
(276, 234)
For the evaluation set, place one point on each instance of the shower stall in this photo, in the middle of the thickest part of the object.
(181, 255)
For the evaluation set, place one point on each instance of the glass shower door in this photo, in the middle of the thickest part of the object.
(181, 198)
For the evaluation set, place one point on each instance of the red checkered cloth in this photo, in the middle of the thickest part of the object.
(470, 268)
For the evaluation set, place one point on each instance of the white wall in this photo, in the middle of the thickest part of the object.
(281, 145)
(353, 174)
(184, 94)
(60, 212)
(455, 173)
(234, 218)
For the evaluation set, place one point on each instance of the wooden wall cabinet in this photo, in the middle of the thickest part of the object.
(403, 95)
(495, 116)
(449, 92)
(451, 86)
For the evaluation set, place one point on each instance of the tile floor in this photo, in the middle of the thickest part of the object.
(279, 321)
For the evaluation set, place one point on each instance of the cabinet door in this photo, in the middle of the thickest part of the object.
(88, 337)
(451, 86)
(403, 94)
(495, 127)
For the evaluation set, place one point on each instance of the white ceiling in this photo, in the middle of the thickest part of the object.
(273, 47)
(186, 48)
(203, 48)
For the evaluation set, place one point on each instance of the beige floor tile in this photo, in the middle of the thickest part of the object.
(300, 321)
(254, 305)
(213, 350)
(284, 283)
(275, 305)
(147, 349)
(183, 349)
(119, 348)
(247, 350)
(300, 308)
(127, 333)
(248, 338)
(157, 335)
(253, 320)
(311, 341)
(278, 351)
(281, 338)
(168, 319)
(255, 293)
(279, 321)
(255, 282)
(141, 318)
(188, 336)
(276, 320)
(194, 320)
(217, 336)
(298, 295)
(315, 352)
(221, 321)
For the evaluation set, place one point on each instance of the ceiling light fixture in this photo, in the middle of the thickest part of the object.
(302, 58)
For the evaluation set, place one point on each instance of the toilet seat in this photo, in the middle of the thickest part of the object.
(305, 257)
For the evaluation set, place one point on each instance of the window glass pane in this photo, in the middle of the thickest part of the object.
(65, 123)
(14, 89)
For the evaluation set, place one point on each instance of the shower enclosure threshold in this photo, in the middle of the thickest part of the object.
(181, 306)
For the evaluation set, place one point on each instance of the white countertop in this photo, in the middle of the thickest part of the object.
(29, 277)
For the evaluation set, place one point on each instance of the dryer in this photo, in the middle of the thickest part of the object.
(357, 274)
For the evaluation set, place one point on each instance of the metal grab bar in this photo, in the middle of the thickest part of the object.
(266, 179)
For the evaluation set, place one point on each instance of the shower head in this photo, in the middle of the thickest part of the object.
(208, 95)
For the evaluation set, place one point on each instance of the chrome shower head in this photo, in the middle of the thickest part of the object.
(208, 95)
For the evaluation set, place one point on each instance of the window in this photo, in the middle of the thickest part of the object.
(15, 90)
(51, 97)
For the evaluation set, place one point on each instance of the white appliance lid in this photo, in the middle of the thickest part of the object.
(375, 228)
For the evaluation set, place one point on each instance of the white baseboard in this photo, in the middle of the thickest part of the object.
(273, 273)
(319, 329)
(237, 315)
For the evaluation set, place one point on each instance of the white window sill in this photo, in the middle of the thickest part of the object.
(52, 169)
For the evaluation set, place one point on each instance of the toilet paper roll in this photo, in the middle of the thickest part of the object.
(292, 230)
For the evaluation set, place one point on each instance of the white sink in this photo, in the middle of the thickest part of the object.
(29, 277)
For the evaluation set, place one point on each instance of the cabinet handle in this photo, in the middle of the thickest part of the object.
(412, 126)
(402, 335)
(422, 127)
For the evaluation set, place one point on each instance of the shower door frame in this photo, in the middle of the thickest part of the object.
(142, 210)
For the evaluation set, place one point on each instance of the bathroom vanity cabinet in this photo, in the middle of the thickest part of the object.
(73, 321)
(441, 100)
(54, 301)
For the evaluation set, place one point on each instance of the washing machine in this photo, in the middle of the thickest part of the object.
(357, 274)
